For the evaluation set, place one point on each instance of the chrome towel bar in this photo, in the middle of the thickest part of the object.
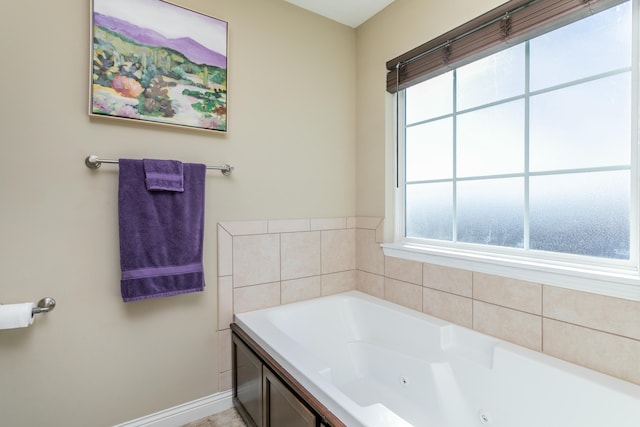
(93, 162)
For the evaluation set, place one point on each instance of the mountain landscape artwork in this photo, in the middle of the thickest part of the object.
(158, 62)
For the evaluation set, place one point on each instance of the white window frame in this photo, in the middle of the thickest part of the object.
(617, 278)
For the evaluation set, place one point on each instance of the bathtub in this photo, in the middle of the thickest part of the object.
(374, 363)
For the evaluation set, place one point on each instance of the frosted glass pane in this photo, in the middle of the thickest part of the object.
(491, 212)
(491, 79)
(582, 126)
(430, 99)
(593, 45)
(491, 140)
(583, 214)
(430, 151)
(429, 211)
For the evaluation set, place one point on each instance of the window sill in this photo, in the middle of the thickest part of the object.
(617, 283)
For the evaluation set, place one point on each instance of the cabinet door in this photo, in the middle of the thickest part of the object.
(247, 381)
(281, 406)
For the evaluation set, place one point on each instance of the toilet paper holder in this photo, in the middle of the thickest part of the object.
(45, 305)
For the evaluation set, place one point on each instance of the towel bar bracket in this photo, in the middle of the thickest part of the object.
(44, 305)
(92, 162)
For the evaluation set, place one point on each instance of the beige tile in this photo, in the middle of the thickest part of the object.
(300, 289)
(369, 283)
(450, 307)
(511, 293)
(225, 381)
(338, 250)
(244, 228)
(380, 233)
(611, 354)
(368, 222)
(403, 269)
(338, 282)
(608, 314)
(406, 294)
(510, 325)
(328, 223)
(288, 226)
(225, 252)
(256, 259)
(225, 302)
(255, 297)
(300, 254)
(369, 255)
(352, 222)
(224, 350)
(447, 279)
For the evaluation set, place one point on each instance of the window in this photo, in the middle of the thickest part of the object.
(527, 157)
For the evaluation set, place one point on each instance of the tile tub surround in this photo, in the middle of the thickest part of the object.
(595, 331)
(304, 259)
(267, 263)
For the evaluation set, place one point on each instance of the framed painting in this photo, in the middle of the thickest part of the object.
(153, 61)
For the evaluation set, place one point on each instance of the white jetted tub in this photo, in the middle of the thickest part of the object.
(374, 363)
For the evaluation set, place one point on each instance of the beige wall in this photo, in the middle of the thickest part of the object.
(403, 25)
(96, 361)
(299, 120)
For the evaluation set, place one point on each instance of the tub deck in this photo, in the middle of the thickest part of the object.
(374, 363)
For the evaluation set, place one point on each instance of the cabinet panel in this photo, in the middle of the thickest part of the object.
(247, 378)
(281, 407)
(266, 395)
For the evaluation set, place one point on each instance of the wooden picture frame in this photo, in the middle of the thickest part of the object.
(153, 61)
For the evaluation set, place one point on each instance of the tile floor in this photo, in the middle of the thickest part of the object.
(228, 418)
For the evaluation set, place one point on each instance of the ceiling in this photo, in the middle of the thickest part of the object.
(347, 12)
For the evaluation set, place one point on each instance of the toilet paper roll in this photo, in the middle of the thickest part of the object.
(16, 315)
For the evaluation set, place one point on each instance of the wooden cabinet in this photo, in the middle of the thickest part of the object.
(247, 383)
(266, 395)
(280, 406)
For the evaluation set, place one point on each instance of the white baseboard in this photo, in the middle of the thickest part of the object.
(185, 413)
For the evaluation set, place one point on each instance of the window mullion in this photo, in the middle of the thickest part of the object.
(634, 214)
(527, 100)
(401, 164)
(454, 183)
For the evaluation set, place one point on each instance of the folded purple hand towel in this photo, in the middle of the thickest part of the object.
(161, 234)
(163, 175)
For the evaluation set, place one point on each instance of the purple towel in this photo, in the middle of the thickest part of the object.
(163, 175)
(161, 234)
